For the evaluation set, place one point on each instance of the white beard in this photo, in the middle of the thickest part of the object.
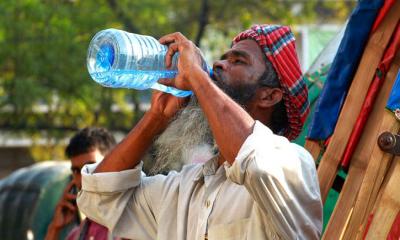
(187, 139)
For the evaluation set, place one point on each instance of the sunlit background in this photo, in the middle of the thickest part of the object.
(46, 93)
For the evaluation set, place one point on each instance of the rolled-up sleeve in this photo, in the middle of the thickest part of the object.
(281, 177)
(118, 201)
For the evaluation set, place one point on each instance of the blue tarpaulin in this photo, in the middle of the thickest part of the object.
(393, 103)
(343, 69)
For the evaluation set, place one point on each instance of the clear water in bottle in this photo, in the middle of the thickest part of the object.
(130, 79)
(125, 60)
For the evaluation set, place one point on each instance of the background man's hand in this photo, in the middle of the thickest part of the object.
(66, 209)
(189, 59)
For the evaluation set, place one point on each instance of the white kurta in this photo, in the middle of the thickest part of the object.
(270, 192)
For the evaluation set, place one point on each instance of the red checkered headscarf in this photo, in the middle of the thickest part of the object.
(277, 42)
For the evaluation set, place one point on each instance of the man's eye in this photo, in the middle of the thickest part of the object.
(239, 61)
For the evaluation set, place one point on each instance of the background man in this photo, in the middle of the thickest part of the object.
(258, 185)
(87, 146)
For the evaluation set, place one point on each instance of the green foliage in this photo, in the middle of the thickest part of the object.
(44, 84)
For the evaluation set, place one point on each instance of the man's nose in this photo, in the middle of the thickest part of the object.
(221, 65)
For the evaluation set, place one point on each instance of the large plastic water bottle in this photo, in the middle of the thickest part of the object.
(120, 59)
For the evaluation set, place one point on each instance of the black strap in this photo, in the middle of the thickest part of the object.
(84, 229)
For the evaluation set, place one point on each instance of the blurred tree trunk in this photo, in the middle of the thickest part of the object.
(203, 21)
(122, 17)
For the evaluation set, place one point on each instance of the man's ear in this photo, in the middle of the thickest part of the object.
(268, 97)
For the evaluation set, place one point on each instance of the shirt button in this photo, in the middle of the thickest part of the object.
(208, 203)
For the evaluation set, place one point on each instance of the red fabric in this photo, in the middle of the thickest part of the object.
(369, 100)
(382, 13)
(94, 231)
(394, 233)
(278, 44)
(369, 221)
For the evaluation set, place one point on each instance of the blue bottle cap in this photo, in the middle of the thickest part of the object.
(105, 57)
(210, 73)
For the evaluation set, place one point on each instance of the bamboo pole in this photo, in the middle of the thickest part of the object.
(387, 207)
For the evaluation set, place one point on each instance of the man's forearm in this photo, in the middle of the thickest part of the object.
(129, 152)
(229, 122)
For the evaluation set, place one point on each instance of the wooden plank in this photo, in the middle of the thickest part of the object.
(357, 229)
(378, 199)
(372, 182)
(387, 207)
(375, 47)
(378, 161)
(344, 206)
(344, 212)
(314, 148)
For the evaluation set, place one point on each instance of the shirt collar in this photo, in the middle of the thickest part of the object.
(209, 168)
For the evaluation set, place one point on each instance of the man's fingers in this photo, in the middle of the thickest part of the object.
(172, 37)
(69, 186)
(167, 39)
(69, 218)
(156, 92)
(70, 196)
(170, 82)
(172, 49)
(172, 40)
(183, 101)
(68, 205)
